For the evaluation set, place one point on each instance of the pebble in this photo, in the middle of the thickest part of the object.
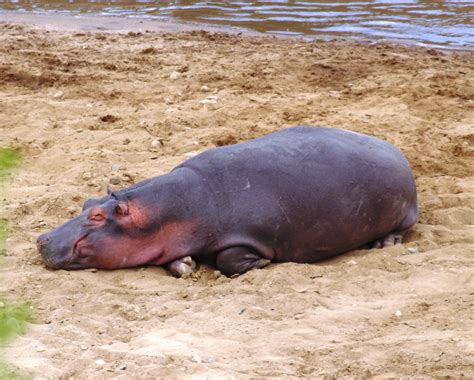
(205, 89)
(83, 347)
(196, 358)
(58, 95)
(352, 262)
(412, 250)
(127, 177)
(175, 75)
(208, 101)
(157, 143)
(40, 349)
(117, 167)
(115, 181)
(100, 362)
(126, 141)
(398, 313)
(71, 210)
(122, 367)
(86, 176)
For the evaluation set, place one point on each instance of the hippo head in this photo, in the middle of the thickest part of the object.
(109, 233)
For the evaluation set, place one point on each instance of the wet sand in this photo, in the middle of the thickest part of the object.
(86, 107)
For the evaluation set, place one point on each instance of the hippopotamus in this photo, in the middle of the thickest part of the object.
(301, 194)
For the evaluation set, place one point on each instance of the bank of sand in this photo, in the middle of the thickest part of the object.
(85, 108)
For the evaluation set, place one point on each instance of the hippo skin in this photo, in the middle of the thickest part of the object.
(301, 194)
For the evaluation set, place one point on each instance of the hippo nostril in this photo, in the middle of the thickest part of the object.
(42, 242)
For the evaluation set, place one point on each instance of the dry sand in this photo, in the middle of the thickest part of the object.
(85, 108)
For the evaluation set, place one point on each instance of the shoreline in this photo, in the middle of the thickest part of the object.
(90, 22)
(100, 23)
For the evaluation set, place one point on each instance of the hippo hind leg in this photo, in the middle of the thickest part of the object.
(238, 260)
(392, 238)
(182, 267)
(395, 237)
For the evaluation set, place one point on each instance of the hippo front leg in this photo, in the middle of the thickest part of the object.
(238, 260)
(182, 267)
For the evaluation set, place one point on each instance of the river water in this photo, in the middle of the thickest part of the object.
(445, 24)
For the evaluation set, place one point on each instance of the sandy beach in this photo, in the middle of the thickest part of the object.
(90, 107)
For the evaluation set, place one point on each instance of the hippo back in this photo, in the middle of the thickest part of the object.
(305, 193)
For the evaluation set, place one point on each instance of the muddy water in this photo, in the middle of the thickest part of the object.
(447, 24)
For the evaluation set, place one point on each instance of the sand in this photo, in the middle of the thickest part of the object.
(90, 107)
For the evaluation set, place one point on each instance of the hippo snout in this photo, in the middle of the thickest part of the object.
(42, 242)
(42, 245)
(55, 252)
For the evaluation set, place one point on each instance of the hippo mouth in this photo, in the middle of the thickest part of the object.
(77, 251)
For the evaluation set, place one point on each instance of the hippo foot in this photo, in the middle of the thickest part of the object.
(182, 267)
(389, 240)
(238, 260)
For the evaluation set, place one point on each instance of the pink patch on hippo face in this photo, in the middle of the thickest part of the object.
(170, 242)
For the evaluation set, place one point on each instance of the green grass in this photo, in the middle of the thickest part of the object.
(14, 316)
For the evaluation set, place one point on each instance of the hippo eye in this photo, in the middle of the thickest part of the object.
(96, 214)
(97, 217)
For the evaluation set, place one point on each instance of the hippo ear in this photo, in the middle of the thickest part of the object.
(121, 209)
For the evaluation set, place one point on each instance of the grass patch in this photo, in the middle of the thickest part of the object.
(14, 316)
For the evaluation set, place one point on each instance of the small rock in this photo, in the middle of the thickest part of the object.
(58, 95)
(205, 89)
(398, 313)
(208, 101)
(352, 262)
(117, 167)
(412, 250)
(86, 176)
(126, 141)
(71, 210)
(196, 358)
(122, 367)
(175, 75)
(100, 362)
(115, 181)
(40, 349)
(127, 177)
(157, 143)
(83, 347)
(109, 118)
